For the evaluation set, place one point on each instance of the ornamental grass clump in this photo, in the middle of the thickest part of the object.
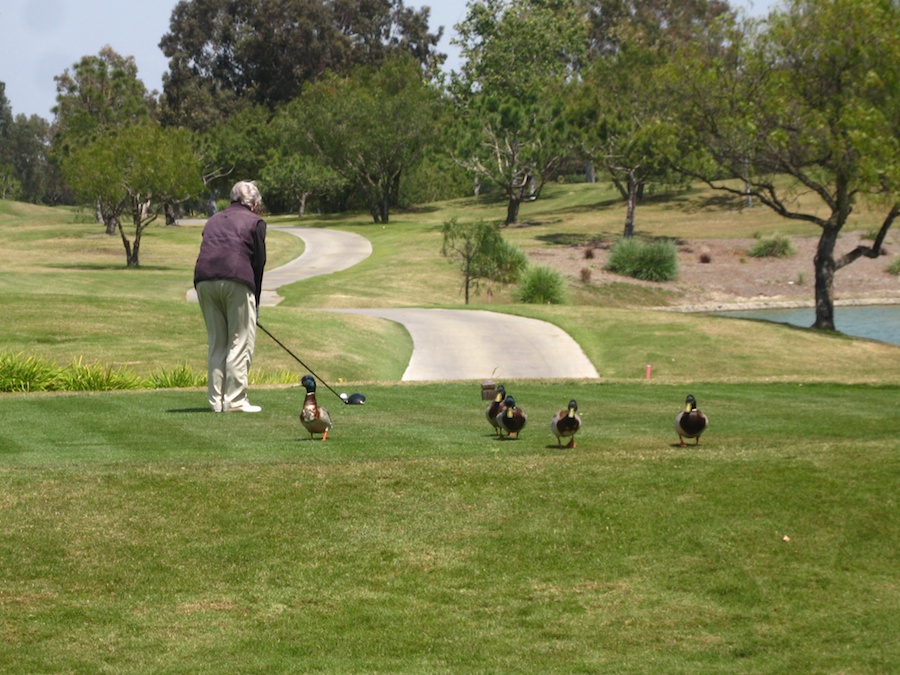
(542, 285)
(19, 373)
(175, 378)
(778, 246)
(655, 260)
(80, 376)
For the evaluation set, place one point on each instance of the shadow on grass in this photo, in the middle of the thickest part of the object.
(578, 239)
(181, 411)
(107, 267)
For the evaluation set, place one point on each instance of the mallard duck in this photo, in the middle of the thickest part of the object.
(314, 417)
(566, 423)
(512, 419)
(496, 406)
(690, 422)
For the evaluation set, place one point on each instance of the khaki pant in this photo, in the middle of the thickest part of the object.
(229, 310)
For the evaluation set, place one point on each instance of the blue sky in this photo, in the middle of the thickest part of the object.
(39, 39)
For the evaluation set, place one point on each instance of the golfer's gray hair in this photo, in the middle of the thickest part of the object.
(245, 192)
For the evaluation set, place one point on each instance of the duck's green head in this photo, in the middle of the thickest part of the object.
(690, 403)
(309, 383)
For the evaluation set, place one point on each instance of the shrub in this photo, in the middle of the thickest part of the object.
(79, 376)
(778, 246)
(267, 377)
(542, 285)
(181, 376)
(893, 267)
(19, 373)
(646, 260)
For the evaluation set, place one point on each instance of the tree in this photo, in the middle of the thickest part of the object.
(482, 253)
(617, 111)
(369, 127)
(294, 179)
(648, 24)
(27, 146)
(620, 120)
(24, 168)
(509, 93)
(10, 186)
(222, 51)
(235, 149)
(100, 93)
(807, 106)
(139, 169)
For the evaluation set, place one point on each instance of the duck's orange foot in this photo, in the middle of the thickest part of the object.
(325, 436)
(571, 444)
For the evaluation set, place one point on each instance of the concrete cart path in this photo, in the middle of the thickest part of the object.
(326, 252)
(451, 344)
(447, 344)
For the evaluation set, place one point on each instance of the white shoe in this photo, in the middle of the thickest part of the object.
(245, 406)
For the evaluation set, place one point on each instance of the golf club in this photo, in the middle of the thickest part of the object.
(353, 399)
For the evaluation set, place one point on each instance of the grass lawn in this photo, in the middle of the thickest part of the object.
(141, 533)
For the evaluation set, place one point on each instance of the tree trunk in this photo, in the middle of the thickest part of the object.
(384, 205)
(629, 212)
(824, 270)
(468, 279)
(512, 211)
(171, 214)
(134, 260)
(301, 209)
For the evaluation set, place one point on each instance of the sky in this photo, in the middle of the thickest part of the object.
(40, 39)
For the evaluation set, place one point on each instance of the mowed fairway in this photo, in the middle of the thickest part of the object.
(140, 533)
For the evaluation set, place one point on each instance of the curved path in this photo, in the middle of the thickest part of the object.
(457, 344)
(326, 251)
(448, 344)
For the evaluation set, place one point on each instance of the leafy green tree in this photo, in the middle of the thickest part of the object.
(808, 106)
(618, 111)
(370, 127)
(481, 253)
(649, 24)
(24, 162)
(235, 149)
(6, 115)
(294, 179)
(222, 51)
(518, 55)
(10, 186)
(619, 118)
(99, 93)
(137, 169)
(27, 146)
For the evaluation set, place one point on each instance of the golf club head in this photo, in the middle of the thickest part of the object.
(355, 399)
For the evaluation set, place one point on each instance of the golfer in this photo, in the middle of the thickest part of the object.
(228, 278)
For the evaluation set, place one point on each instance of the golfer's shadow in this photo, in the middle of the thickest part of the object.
(179, 411)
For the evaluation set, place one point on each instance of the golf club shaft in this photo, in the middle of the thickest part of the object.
(298, 360)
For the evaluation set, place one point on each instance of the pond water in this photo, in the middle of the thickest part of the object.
(878, 322)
